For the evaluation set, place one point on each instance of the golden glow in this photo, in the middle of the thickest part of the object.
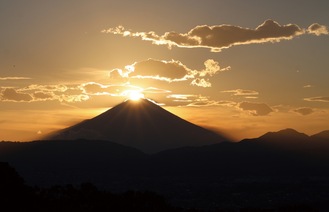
(135, 95)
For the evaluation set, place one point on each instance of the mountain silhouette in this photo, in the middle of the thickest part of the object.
(287, 138)
(277, 167)
(141, 124)
(284, 134)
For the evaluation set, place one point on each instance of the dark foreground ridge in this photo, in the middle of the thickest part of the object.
(140, 124)
(278, 169)
(15, 195)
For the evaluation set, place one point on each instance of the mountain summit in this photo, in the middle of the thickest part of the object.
(140, 124)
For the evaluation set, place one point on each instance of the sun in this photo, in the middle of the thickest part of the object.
(135, 95)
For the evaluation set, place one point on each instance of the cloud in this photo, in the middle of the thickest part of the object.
(93, 88)
(97, 89)
(15, 78)
(241, 92)
(45, 88)
(10, 94)
(223, 36)
(256, 109)
(197, 100)
(307, 86)
(34, 93)
(119, 75)
(43, 96)
(202, 101)
(211, 68)
(73, 98)
(153, 90)
(318, 29)
(169, 71)
(183, 98)
(318, 99)
(201, 82)
(304, 111)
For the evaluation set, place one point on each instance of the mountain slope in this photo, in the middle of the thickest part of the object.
(143, 125)
(324, 135)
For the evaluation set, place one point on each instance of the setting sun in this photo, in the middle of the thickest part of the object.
(135, 95)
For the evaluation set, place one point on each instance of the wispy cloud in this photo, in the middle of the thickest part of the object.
(185, 98)
(242, 92)
(153, 90)
(318, 99)
(15, 78)
(308, 86)
(34, 93)
(223, 36)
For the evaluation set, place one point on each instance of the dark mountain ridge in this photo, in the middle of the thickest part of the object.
(198, 175)
(89, 158)
(143, 125)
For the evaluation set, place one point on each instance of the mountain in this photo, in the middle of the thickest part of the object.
(268, 170)
(284, 135)
(287, 138)
(140, 124)
(324, 135)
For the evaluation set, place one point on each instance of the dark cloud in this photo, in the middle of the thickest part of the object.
(256, 109)
(160, 70)
(39, 95)
(93, 88)
(304, 111)
(10, 94)
(169, 71)
(219, 37)
(318, 29)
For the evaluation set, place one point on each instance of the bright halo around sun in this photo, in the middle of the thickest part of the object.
(135, 95)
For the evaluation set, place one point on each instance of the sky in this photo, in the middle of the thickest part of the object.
(242, 68)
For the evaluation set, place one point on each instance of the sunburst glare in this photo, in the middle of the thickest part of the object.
(135, 95)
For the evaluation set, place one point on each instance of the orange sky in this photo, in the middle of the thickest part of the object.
(240, 67)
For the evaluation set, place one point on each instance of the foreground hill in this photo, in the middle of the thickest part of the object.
(140, 124)
(48, 163)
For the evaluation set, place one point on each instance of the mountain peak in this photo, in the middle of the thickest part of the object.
(141, 124)
(286, 137)
(287, 133)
